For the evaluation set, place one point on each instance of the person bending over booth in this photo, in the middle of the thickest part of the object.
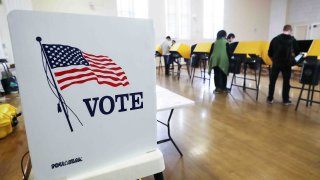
(219, 62)
(165, 46)
(170, 57)
(282, 50)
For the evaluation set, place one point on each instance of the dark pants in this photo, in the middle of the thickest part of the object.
(220, 79)
(167, 63)
(286, 74)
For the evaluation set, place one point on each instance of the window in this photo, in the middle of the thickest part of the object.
(178, 17)
(133, 8)
(212, 17)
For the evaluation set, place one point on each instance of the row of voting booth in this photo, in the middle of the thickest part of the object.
(259, 48)
(247, 54)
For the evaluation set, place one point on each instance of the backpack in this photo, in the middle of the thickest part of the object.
(8, 81)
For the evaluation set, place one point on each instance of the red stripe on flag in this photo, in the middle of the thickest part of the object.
(98, 60)
(74, 70)
(115, 68)
(102, 67)
(91, 74)
(94, 78)
(97, 56)
(101, 64)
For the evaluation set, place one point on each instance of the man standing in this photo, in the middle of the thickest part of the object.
(282, 50)
(165, 47)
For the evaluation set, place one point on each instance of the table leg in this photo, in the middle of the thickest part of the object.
(169, 134)
(188, 68)
(244, 77)
(158, 176)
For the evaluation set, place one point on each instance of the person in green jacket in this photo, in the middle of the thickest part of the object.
(219, 62)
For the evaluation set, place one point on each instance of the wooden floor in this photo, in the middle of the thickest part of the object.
(13, 146)
(231, 136)
(224, 136)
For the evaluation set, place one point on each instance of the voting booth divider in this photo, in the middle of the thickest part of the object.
(204, 47)
(158, 55)
(248, 47)
(314, 49)
(88, 99)
(181, 50)
(158, 50)
(264, 53)
(259, 48)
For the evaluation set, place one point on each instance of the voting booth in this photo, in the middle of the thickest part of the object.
(310, 74)
(200, 57)
(178, 51)
(88, 98)
(251, 55)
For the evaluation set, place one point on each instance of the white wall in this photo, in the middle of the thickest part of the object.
(303, 15)
(278, 13)
(248, 19)
(17, 4)
(4, 33)
(97, 7)
(303, 11)
(5, 8)
(109, 8)
(157, 13)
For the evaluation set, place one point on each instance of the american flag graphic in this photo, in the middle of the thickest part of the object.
(71, 66)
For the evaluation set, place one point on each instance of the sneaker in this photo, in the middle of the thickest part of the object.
(270, 101)
(226, 90)
(217, 91)
(287, 103)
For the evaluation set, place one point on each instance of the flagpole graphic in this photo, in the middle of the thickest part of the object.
(61, 101)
